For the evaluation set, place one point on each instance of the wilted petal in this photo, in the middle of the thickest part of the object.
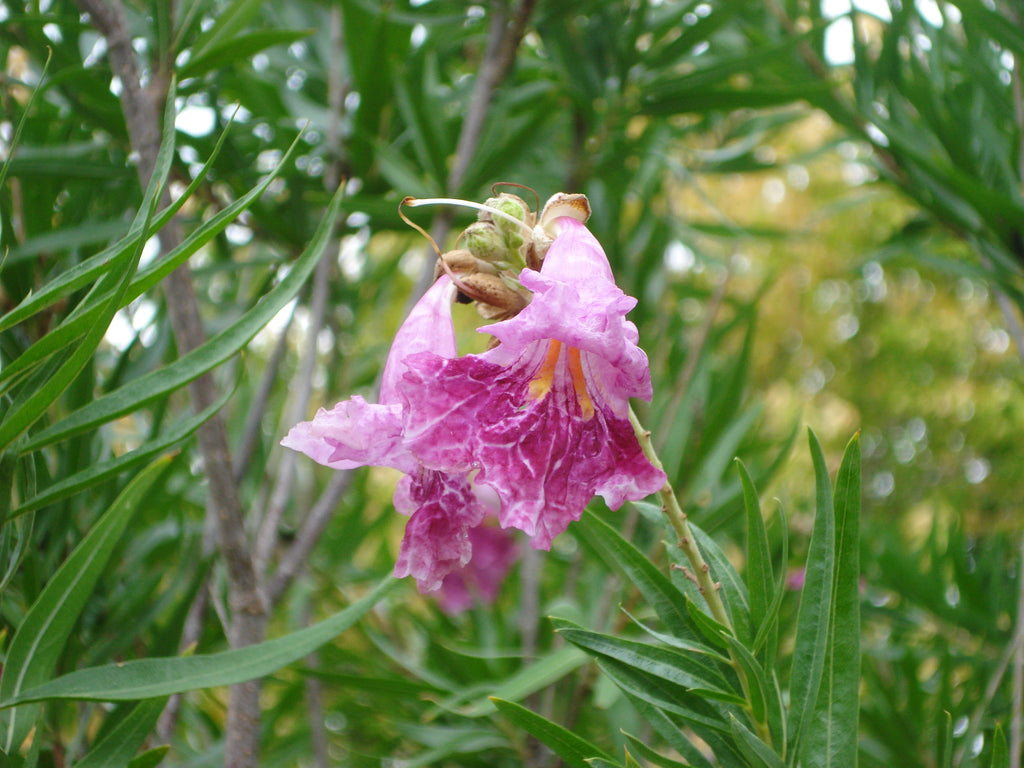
(437, 539)
(355, 433)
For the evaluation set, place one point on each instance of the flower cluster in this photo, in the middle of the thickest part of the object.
(528, 431)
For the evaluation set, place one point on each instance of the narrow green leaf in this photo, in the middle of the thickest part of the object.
(530, 679)
(651, 755)
(572, 749)
(147, 678)
(689, 671)
(758, 754)
(119, 745)
(68, 238)
(832, 741)
(88, 270)
(759, 574)
(811, 644)
(40, 637)
(230, 21)
(757, 681)
(658, 590)
(151, 758)
(733, 590)
(1000, 754)
(239, 48)
(87, 311)
(16, 139)
(23, 414)
(105, 470)
(217, 350)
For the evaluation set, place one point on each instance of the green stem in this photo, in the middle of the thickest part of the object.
(687, 543)
(701, 570)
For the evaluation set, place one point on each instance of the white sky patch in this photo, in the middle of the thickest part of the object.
(196, 120)
(839, 35)
(137, 318)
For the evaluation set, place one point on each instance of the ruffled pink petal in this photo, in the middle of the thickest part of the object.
(575, 301)
(546, 457)
(428, 328)
(354, 433)
(437, 538)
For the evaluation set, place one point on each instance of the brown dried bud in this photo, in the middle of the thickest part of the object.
(492, 290)
(574, 205)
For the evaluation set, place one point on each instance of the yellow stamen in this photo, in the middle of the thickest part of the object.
(579, 383)
(540, 385)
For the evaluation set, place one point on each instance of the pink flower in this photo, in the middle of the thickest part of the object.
(543, 416)
(442, 506)
(542, 419)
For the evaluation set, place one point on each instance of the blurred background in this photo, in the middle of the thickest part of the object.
(817, 204)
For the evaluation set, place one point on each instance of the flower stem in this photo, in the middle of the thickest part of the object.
(701, 570)
(687, 543)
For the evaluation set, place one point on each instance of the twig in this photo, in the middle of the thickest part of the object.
(253, 422)
(309, 533)
(142, 109)
(266, 537)
(503, 39)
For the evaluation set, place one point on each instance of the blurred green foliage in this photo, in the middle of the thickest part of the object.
(812, 241)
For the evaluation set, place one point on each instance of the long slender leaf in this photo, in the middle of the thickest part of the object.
(759, 575)
(86, 313)
(147, 678)
(572, 749)
(683, 669)
(220, 348)
(119, 746)
(41, 635)
(24, 413)
(88, 270)
(657, 589)
(832, 741)
(811, 644)
(105, 470)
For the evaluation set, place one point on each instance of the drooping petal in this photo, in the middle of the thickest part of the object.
(355, 433)
(576, 302)
(428, 328)
(546, 457)
(437, 539)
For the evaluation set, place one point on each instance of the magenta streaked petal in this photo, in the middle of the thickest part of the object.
(546, 457)
(437, 538)
(428, 328)
(354, 433)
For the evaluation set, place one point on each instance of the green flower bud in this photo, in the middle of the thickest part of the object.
(513, 206)
(484, 241)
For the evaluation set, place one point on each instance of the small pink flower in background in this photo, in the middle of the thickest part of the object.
(541, 420)
(494, 554)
